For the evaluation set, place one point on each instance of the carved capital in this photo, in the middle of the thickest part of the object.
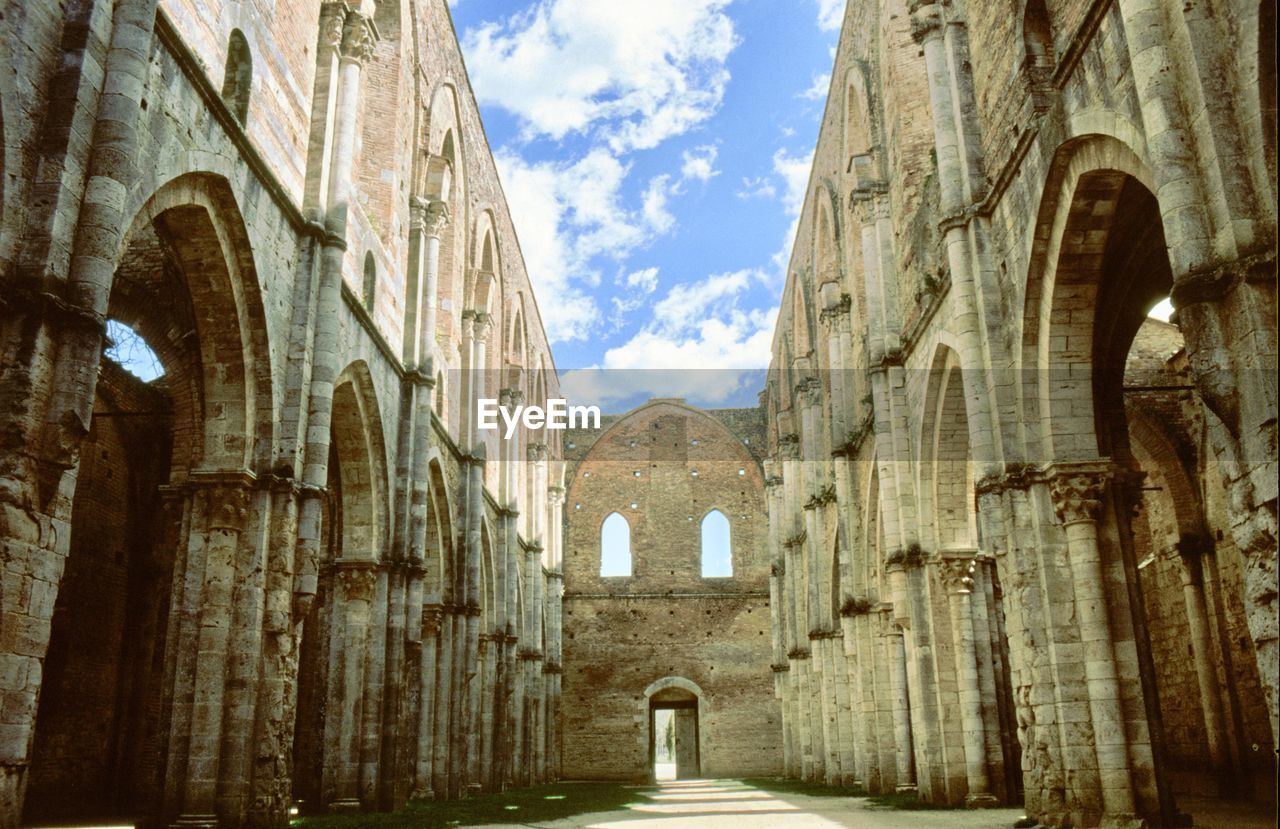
(789, 447)
(357, 579)
(834, 313)
(1077, 495)
(957, 574)
(537, 452)
(926, 21)
(432, 614)
(226, 503)
(332, 18)
(358, 38)
(555, 494)
(435, 219)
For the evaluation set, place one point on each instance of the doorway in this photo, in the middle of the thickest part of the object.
(674, 752)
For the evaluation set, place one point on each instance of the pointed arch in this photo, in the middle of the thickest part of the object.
(717, 546)
(946, 485)
(615, 546)
(197, 221)
(440, 539)
(359, 450)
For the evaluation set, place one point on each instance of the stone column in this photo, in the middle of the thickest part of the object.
(957, 576)
(222, 516)
(1077, 499)
(903, 746)
(489, 665)
(444, 775)
(424, 786)
(466, 378)
(435, 222)
(1202, 650)
(354, 586)
(467, 738)
(554, 664)
(779, 624)
(352, 36)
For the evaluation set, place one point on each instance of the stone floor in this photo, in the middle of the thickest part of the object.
(706, 804)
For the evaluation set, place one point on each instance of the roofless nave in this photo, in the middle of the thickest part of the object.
(993, 534)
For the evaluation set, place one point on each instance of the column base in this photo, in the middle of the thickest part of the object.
(195, 822)
(346, 806)
(981, 801)
(906, 788)
(474, 790)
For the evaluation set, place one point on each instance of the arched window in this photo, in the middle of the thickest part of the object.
(615, 547)
(717, 553)
(370, 282)
(1037, 37)
(238, 76)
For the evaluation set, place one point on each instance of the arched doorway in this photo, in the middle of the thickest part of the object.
(674, 736)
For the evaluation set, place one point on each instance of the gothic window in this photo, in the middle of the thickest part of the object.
(1037, 38)
(238, 76)
(717, 553)
(615, 547)
(370, 282)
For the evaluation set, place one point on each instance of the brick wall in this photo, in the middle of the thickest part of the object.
(623, 634)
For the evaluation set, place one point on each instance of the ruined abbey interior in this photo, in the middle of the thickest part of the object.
(993, 535)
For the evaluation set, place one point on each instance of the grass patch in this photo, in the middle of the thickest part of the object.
(780, 785)
(551, 802)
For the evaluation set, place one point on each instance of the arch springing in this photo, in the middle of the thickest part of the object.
(615, 547)
(717, 551)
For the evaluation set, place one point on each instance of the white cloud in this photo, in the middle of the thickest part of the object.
(646, 280)
(700, 163)
(757, 187)
(655, 204)
(635, 71)
(794, 170)
(817, 91)
(830, 15)
(701, 344)
(567, 213)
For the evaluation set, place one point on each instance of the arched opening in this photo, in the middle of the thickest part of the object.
(954, 515)
(674, 741)
(138, 505)
(857, 128)
(338, 631)
(1101, 372)
(369, 288)
(237, 77)
(717, 547)
(615, 547)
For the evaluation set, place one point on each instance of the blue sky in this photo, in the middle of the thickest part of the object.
(654, 154)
